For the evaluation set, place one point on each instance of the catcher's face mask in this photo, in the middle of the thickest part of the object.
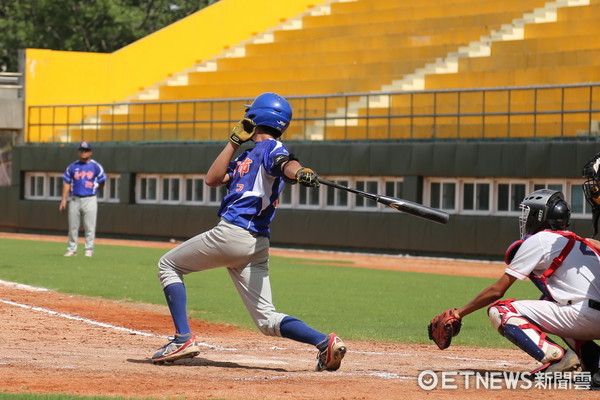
(591, 188)
(523, 220)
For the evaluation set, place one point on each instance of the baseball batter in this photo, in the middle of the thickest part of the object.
(240, 242)
(565, 268)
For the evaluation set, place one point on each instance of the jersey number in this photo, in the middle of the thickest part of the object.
(586, 251)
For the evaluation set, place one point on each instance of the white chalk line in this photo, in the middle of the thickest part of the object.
(221, 348)
(23, 286)
(381, 375)
(80, 319)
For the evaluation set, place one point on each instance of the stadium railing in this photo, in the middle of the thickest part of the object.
(550, 111)
(11, 85)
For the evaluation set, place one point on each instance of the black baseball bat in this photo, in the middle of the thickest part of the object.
(405, 206)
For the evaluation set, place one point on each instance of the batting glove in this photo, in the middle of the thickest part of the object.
(307, 177)
(242, 131)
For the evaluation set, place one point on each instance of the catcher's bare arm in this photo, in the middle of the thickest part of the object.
(444, 326)
(488, 295)
(595, 243)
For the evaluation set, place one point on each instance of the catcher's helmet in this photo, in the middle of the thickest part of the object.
(543, 209)
(270, 109)
(591, 188)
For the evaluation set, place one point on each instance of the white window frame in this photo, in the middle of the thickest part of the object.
(461, 196)
(45, 179)
(367, 205)
(30, 193)
(546, 184)
(110, 194)
(396, 182)
(309, 192)
(510, 183)
(138, 188)
(57, 177)
(215, 195)
(203, 189)
(168, 181)
(587, 209)
(342, 180)
(291, 192)
(457, 190)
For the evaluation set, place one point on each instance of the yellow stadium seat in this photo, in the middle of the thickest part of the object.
(363, 45)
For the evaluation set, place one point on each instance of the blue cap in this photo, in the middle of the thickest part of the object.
(85, 146)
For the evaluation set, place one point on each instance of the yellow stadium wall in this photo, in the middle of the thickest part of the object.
(60, 77)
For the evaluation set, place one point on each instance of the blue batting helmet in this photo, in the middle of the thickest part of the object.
(270, 109)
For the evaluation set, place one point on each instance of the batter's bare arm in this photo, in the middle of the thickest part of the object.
(217, 173)
(290, 168)
(294, 171)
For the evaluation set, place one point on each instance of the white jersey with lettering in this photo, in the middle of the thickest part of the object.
(576, 279)
(567, 276)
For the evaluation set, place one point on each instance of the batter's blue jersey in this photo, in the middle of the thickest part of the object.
(84, 177)
(254, 187)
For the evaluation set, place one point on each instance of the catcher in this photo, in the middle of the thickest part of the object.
(564, 267)
(591, 189)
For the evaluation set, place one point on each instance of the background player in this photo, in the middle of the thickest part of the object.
(564, 267)
(591, 189)
(590, 353)
(240, 241)
(81, 182)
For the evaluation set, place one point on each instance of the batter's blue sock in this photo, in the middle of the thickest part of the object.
(293, 328)
(177, 301)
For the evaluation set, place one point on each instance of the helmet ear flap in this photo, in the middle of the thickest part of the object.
(559, 215)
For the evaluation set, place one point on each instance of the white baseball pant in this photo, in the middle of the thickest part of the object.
(575, 321)
(82, 209)
(246, 257)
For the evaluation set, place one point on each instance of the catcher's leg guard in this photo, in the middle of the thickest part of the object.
(523, 333)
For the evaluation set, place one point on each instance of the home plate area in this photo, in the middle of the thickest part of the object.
(52, 343)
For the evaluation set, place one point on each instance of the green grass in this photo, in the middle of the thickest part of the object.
(358, 304)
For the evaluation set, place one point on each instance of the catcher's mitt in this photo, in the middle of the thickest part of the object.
(444, 327)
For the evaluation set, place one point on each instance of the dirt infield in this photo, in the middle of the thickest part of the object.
(56, 343)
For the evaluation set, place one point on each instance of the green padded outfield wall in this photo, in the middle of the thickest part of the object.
(389, 232)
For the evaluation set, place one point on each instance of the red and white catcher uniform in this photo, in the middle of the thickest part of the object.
(566, 269)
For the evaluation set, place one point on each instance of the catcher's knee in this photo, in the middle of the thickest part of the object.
(499, 311)
(521, 332)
